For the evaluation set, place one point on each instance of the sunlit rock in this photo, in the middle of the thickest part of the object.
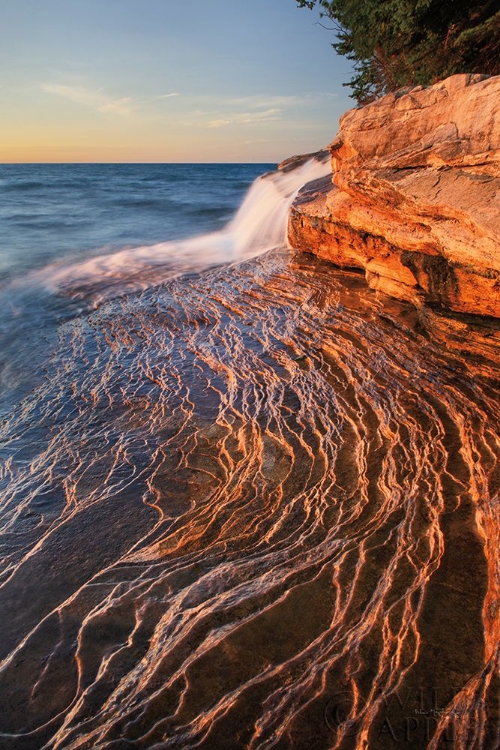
(416, 196)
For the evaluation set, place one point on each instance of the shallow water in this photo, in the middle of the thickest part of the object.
(74, 235)
(251, 507)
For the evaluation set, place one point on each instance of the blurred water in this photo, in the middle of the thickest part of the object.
(54, 212)
(55, 215)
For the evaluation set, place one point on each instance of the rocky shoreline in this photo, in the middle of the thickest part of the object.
(414, 202)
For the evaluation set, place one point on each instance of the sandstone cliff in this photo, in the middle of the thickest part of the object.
(415, 199)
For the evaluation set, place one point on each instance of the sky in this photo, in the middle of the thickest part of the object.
(166, 81)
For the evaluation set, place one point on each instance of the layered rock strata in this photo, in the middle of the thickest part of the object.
(415, 199)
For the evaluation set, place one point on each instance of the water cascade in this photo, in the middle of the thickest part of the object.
(259, 225)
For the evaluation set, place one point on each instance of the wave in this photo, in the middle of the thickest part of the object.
(38, 223)
(26, 186)
(259, 225)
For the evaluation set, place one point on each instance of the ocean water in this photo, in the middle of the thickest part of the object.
(58, 212)
(244, 502)
(54, 218)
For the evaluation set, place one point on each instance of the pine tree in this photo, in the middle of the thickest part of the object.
(396, 43)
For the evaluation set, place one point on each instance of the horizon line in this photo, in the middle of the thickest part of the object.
(53, 163)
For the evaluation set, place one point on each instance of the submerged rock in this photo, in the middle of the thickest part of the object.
(415, 198)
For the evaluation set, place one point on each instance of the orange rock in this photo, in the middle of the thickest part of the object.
(415, 199)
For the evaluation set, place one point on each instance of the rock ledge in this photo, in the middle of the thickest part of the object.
(415, 198)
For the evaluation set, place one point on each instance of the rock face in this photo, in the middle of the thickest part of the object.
(415, 199)
(322, 156)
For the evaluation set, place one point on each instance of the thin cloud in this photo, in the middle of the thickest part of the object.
(246, 118)
(119, 106)
(256, 109)
(279, 101)
(167, 96)
(218, 123)
(96, 100)
(268, 102)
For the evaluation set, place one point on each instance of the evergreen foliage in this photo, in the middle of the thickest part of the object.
(396, 43)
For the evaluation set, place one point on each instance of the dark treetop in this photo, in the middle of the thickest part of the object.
(396, 43)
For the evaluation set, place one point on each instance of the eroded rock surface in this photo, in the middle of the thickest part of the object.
(415, 198)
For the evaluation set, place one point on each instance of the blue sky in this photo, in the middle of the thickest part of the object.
(165, 80)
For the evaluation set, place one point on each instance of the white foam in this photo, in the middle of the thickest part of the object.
(259, 225)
